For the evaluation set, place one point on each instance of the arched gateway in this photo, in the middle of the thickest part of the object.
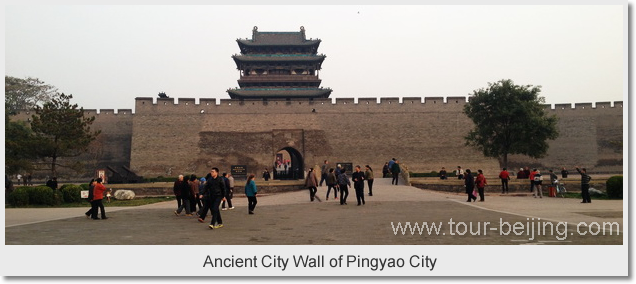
(288, 164)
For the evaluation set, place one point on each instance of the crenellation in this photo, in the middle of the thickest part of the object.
(412, 100)
(583, 105)
(367, 101)
(106, 111)
(562, 106)
(603, 105)
(390, 101)
(456, 100)
(345, 101)
(429, 101)
(186, 101)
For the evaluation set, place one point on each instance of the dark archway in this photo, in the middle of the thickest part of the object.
(293, 169)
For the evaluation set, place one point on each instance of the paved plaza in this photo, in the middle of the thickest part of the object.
(290, 218)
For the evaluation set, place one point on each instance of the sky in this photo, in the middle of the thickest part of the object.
(106, 56)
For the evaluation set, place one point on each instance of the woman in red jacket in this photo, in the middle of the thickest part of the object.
(480, 182)
(98, 195)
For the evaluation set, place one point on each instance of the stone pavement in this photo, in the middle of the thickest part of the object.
(290, 218)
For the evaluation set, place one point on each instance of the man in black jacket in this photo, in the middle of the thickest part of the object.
(214, 193)
(358, 184)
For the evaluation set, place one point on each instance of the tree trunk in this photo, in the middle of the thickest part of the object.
(505, 160)
(53, 170)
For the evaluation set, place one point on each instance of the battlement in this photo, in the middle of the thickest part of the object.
(406, 104)
(108, 112)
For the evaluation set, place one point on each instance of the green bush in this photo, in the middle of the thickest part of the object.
(614, 187)
(42, 195)
(19, 197)
(70, 193)
(84, 186)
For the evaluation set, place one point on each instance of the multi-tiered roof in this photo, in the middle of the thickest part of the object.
(279, 65)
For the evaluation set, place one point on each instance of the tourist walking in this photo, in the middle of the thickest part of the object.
(538, 180)
(311, 182)
(391, 162)
(250, 193)
(203, 201)
(194, 193)
(585, 185)
(98, 195)
(266, 175)
(229, 193)
(176, 189)
(385, 170)
(554, 180)
(343, 184)
(184, 190)
(91, 186)
(469, 184)
(531, 178)
(505, 177)
(332, 182)
(358, 184)
(368, 175)
(481, 183)
(395, 170)
(214, 193)
(323, 171)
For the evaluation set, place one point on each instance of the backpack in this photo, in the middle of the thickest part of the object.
(538, 177)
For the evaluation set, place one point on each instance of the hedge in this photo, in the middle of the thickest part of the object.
(614, 187)
(39, 195)
(19, 197)
(70, 193)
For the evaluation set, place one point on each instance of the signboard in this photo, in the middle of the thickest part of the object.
(101, 174)
(347, 166)
(238, 170)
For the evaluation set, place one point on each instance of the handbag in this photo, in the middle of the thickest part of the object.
(475, 192)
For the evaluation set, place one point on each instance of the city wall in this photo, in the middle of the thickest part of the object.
(173, 137)
(111, 148)
(167, 137)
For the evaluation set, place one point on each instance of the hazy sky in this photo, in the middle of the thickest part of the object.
(108, 55)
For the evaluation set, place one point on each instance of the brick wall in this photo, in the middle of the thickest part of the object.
(183, 136)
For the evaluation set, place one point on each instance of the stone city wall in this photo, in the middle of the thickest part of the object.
(172, 137)
(167, 137)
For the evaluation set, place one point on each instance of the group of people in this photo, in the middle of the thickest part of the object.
(210, 194)
(392, 167)
(338, 180)
(524, 173)
(96, 192)
(25, 180)
(535, 177)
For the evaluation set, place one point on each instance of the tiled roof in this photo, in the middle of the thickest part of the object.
(278, 58)
(278, 38)
(279, 93)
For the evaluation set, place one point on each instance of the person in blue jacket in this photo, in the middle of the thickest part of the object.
(250, 192)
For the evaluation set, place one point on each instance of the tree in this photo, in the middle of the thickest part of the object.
(61, 130)
(509, 119)
(18, 147)
(25, 93)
